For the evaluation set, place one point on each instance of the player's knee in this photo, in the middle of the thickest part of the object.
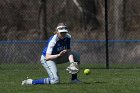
(76, 57)
(55, 80)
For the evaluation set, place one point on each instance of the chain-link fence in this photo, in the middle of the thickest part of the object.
(26, 24)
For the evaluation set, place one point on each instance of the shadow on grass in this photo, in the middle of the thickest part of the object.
(75, 83)
(99, 82)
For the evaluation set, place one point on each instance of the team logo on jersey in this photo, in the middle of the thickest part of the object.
(58, 45)
(60, 48)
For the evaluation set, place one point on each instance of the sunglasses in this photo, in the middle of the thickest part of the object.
(62, 28)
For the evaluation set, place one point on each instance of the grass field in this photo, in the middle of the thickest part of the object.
(99, 81)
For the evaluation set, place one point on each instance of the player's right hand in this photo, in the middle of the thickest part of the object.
(62, 52)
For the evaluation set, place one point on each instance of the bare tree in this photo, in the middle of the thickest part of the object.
(118, 15)
(43, 20)
(118, 18)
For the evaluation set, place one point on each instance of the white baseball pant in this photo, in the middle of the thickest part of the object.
(51, 68)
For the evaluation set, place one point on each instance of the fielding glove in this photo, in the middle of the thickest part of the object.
(73, 68)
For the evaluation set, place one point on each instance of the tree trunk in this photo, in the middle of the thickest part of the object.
(118, 16)
(42, 20)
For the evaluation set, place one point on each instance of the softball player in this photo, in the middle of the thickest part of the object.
(57, 51)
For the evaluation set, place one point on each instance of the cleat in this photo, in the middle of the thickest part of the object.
(23, 82)
(27, 82)
(75, 81)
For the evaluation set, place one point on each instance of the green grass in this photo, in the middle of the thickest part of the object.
(99, 81)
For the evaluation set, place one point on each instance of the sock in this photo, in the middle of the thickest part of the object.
(41, 81)
(74, 76)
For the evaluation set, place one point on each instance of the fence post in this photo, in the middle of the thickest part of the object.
(106, 34)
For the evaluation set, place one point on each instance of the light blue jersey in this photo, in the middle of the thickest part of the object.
(55, 45)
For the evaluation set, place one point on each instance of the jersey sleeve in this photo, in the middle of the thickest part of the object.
(50, 46)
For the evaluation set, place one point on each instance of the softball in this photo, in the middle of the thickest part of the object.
(87, 71)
